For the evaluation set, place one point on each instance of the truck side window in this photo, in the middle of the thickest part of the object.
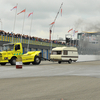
(17, 47)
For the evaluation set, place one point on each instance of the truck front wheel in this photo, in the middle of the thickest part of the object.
(13, 61)
(37, 60)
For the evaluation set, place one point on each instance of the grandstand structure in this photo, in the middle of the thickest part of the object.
(88, 44)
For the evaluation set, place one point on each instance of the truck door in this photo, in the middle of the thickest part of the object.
(17, 49)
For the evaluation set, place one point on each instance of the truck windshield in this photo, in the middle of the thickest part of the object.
(8, 47)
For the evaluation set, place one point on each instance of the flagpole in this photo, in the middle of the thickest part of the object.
(52, 38)
(23, 25)
(73, 36)
(56, 16)
(1, 24)
(76, 42)
(29, 34)
(15, 18)
(14, 23)
(54, 22)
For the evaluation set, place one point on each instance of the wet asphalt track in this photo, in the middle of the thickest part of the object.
(46, 68)
(51, 81)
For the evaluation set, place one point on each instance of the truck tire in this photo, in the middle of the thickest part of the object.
(70, 61)
(3, 64)
(37, 60)
(13, 61)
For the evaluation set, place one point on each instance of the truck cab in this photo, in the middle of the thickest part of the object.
(11, 51)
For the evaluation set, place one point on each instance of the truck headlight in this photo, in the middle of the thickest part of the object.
(5, 58)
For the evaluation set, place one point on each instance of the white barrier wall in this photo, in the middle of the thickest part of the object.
(88, 57)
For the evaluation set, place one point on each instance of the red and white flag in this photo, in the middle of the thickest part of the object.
(21, 11)
(61, 11)
(52, 23)
(76, 31)
(70, 30)
(30, 14)
(14, 8)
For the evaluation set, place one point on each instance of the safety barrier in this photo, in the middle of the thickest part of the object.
(34, 42)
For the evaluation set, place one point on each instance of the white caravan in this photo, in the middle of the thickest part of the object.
(64, 54)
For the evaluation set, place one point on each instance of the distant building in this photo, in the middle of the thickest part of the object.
(89, 42)
(92, 37)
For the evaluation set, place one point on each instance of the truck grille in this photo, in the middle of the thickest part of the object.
(0, 56)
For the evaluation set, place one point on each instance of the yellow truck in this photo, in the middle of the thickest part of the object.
(11, 51)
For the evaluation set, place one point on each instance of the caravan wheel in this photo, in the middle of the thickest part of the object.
(70, 61)
(59, 62)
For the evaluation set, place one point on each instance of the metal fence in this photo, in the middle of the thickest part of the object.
(33, 42)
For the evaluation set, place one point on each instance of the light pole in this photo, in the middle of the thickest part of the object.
(1, 24)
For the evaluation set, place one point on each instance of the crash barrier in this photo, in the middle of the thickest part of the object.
(19, 63)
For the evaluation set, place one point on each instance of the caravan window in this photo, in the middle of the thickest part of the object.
(56, 52)
(65, 52)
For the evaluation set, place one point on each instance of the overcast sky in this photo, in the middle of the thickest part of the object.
(81, 15)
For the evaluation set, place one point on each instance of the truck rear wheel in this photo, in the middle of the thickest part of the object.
(13, 61)
(37, 60)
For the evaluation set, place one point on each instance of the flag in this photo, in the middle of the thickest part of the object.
(70, 30)
(30, 14)
(21, 11)
(52, 23)
(76, 31)
(14, 8)
(61, 11)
